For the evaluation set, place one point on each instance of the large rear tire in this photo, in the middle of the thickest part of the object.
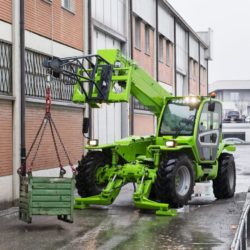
(174, 182)
(224, 184)
(86, 178)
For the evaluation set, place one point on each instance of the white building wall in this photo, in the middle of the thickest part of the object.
(181, 61)
(166, 23)
(203, 61)
(145, 10)
(111, 13)
(193, 48)
(181, 49)
(107, 121)
(5, 31)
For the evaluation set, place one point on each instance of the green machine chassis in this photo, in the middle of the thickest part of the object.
(164, 167)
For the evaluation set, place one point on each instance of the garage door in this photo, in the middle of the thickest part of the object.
(107, 119)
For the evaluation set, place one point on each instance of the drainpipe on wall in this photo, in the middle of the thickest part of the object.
(131, 103)
(175, 73)
(16, 92)
(199, 71)
(156, 41)
(22, 82)
(188, 67)
(89, 35)
(207, 79)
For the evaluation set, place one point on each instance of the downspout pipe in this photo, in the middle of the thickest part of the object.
(175, 72)
(188, 66)
(22, 84)
(131, 104)
(157, 39)
(199, 71)
(90, 52)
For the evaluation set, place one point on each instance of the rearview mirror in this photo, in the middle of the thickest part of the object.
(211, 106)
(85, 125)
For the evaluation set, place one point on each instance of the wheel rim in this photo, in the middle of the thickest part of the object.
(231, 176)
(182, 180)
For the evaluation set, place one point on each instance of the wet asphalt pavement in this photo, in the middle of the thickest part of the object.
(204, 224)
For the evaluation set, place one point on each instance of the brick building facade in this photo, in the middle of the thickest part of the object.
(52, 29)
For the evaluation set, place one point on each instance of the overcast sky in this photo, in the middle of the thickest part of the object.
(230, 22)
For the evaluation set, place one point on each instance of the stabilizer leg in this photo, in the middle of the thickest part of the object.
(141, 199)
(106, 197)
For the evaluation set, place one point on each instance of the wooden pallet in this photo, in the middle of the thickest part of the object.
(46, 196)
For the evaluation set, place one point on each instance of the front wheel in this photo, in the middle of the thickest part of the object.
(89, 173)
(175, 181)
(224, 184)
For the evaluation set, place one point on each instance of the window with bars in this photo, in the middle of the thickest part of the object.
(5, 68)
(35, 79)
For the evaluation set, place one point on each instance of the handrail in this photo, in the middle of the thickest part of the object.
(240, 238)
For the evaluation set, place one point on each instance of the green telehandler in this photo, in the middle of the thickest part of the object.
(187, 146)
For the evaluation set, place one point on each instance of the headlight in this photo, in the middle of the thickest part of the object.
(194, 100)
(170, 144)
(93, 142)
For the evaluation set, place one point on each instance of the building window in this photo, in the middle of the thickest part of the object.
(147, 39)
(161, 49)
(195, 72)
(68, 5)
(234, 96)
(137, 33)
(191, 68)
(168, 46)
(138, 105)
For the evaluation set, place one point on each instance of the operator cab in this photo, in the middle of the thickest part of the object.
(179, 116)
(197, 117)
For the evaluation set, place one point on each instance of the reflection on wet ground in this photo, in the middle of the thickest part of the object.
(206, 223)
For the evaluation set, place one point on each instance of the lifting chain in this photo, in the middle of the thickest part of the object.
(54, 133)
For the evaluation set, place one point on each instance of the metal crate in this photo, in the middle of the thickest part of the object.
(46, 196)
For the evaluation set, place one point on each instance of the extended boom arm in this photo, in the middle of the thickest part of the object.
(109, 78)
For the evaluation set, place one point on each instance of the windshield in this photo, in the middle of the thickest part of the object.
(178, 118)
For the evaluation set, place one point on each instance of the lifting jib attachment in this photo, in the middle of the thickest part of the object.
(108, 77)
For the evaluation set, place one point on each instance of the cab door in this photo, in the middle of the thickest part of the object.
(209, 131)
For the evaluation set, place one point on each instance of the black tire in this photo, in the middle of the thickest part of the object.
(224, 184)
(166, 189)
(86, 182)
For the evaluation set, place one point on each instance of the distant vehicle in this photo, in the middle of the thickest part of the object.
(247, 119)
(233, 116)
(233, 140)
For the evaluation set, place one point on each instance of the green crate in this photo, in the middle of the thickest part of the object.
(46, 196)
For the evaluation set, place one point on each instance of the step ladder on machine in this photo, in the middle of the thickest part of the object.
(46, 195)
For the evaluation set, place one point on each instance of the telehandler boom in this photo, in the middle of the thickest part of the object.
(187, 146)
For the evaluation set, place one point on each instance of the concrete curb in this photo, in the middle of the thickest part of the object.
(8, 211)
(242, 234)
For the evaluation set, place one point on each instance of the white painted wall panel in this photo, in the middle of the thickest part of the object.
(181, 49)
(110, 13)
(107, 119)
(166, 23)
(194, 49)
(146, 10)
(180, 84)
(99, 7)
(6, 188)
(107, 13)
(202, 56)
(5, 31)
